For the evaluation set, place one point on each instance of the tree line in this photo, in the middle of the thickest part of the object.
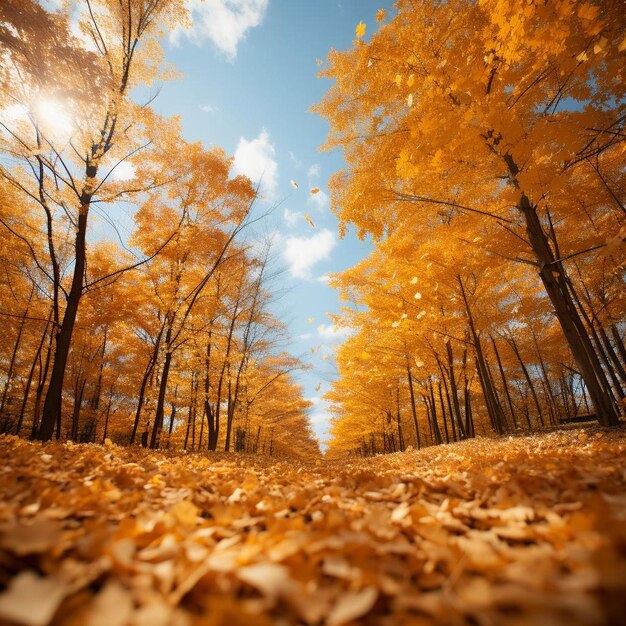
(135, 306)
(484, 149)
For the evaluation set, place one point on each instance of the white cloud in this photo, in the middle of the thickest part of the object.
(330, 331)
(324, 278)
(224, 22)
(292, 217)
(297, 163)
(302, 253)
(209, 108)
(320, 423)
(319, 200)
(305, 336)
(314, 171)
(255, 159)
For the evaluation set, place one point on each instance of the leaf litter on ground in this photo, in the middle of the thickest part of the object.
(519, 530)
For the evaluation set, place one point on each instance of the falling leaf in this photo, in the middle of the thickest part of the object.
(319, 386)
(294, 184)
(310, 320)
(360, 29)
(307, 217)
(315, 190)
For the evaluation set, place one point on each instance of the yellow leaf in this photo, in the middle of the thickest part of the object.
(309, 220)
(315, 190)
(310, 320)
(398, 79)
(380, 15)
(352, 605)
(294, 184)
(360, 29)
(30, 600)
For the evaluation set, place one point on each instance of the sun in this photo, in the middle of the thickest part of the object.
(53, 117)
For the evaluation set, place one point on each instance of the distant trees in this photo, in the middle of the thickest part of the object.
(484, 150)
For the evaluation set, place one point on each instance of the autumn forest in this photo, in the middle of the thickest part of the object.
(160, 463)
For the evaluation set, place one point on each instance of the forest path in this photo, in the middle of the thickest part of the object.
(519, 530)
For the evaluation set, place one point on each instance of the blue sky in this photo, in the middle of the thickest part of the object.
(249, 80)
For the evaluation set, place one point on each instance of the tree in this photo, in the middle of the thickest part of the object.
(480, 111)
(70, 139)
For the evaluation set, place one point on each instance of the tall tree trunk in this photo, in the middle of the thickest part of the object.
(190, 413)
(16, 346)
(505, 383)
(511, 341)
(160, 410)
(78, 401)
(619, 343)
(454, 391)
(553, 278)
(52, 407)
(491, 399)
(41, 384)
(154, 355)
(413, 407)
(107, 415)
(433, 415)
(31, 374)
(610, 350)
(172, 417)
(443, 414)
(399, 420)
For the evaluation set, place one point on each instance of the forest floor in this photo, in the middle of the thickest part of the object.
(524, 530)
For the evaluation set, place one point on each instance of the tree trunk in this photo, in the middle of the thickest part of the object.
(454, 391)
(491, 400)
(31, 374)
(78, 401)
(190, 413)
(107, 416)
(531, 385)
(505, 383)
(13, 358)
(413, 407)
(399, 420)
(160, 410)
(552, 276)
(54, 397)
(144, 382)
